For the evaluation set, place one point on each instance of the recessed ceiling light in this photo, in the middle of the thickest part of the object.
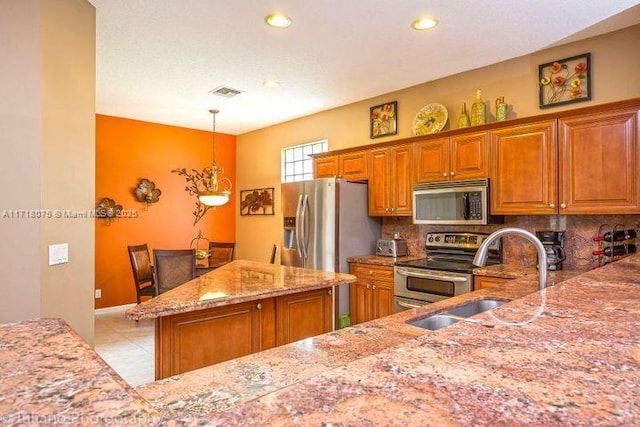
(278, 21)
(424, 24)
(271, 84)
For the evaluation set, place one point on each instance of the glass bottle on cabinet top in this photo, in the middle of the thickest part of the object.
(501, 109)
(463, 120)
(478, 110)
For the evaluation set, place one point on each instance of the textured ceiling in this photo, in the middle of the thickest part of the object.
(158, 59)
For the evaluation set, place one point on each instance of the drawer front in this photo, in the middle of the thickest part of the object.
(373, 272)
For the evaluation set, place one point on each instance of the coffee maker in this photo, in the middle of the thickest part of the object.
(552, 242)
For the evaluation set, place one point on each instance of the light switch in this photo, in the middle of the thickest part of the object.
(58, 254)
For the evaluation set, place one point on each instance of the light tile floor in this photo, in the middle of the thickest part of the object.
(127, 346)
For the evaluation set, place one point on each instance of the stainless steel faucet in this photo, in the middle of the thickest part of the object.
(481, 256)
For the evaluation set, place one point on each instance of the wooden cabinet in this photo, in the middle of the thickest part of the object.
(193, 340)
(188, 341)
(325, 167)
(588, 165)
(460, 157)
(350, 166)
(524, 169)
(303, 315)
(481, 282)
(390, 181)
(371, 296)
(599, 161)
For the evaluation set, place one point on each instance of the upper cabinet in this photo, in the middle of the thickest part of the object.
(591, 167)
(576, 162)
(523, 169)
(460, 157)
(325, 167)
(599, 160)
(350, 166)
(390, 181)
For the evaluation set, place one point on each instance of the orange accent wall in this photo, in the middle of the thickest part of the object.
(128, 150)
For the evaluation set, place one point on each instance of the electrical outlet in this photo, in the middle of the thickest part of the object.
(98, 293)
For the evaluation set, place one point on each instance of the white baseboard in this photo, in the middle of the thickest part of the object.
(113, 309)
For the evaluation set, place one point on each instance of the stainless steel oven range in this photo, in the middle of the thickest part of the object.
(444, 273)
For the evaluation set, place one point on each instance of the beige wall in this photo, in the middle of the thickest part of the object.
(19, 159)
(67, 154)
(48, 155)
(615, 71)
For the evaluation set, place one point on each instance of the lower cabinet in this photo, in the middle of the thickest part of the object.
(303, 315)
(481, 282)
(188, 341)
(371, 296)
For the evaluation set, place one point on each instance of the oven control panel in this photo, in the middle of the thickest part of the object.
(457, 240)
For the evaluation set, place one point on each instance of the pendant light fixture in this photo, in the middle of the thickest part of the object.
(213, 196)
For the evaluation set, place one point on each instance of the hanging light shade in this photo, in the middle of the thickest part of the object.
(213, 196)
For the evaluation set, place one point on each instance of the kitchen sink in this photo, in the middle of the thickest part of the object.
(439, 321)
(475, 307)
(433, 323)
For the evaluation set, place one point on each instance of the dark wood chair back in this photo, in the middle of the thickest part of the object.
(221, 253)
(173, 267)
(142, 271)
(274, 252)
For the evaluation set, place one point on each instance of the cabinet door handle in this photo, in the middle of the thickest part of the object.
(452, 173)
(386, 209)
(370, 272)
(367, 286)
(444, 174)
(563, 205)
(552, 205)
(374, 287)
(259, 306)
(393, 209)
(329, 292)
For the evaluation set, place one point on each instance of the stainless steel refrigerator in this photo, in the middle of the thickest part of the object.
(325, 221)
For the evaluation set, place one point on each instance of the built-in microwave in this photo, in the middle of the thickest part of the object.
(453, 202)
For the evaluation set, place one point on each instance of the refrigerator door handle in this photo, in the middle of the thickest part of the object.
(299, 248)
(304, 218)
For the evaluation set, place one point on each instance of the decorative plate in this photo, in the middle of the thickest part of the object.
(430, 119)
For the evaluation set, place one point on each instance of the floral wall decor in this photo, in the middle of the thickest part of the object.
(108, 210)
(565, 81)
(197, 181)
(383, 120)
(147, 192)
(257, 202)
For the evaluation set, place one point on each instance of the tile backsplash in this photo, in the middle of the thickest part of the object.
(578, 237)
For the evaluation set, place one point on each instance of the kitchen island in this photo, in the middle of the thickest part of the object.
(238, 309)
(577, 362)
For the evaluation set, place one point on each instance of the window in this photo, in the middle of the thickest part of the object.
(296, 163)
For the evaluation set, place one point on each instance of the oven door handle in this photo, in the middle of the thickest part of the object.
(407, 305)
(431, 276)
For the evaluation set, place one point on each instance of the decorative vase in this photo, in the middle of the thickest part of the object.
(463, 120)
(478, 110)
(501, 109)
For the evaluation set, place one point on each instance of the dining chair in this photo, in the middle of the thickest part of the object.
(142, 271)
(221, 253)
(274, 251)
(173, 267)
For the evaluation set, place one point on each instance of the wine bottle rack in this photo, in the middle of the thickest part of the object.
(612, 246)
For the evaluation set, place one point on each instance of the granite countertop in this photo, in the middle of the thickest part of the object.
(236, 282)
(568, 355)
(50, 376)
(515, 271)
(381, 260)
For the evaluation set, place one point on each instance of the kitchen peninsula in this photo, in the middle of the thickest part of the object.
(576, 363)
(238, 309)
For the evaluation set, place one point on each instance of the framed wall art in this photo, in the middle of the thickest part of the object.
(565, 81)
(257, 202)
(384, 119)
